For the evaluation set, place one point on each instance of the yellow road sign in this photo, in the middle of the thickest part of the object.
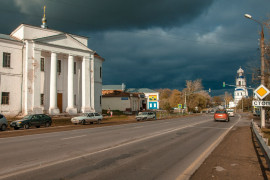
(261, 91)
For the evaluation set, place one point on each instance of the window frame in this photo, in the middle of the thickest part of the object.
(42, 64)
(5, 98)
(59, 64)
(6, 59)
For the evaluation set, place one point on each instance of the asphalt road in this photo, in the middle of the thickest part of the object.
(162, 149)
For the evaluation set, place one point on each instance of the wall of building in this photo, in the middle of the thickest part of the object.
(11, 78)
(115, 103)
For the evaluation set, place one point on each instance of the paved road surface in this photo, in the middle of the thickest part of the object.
(163, 149)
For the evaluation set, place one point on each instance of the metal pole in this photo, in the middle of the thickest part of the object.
(262, 74)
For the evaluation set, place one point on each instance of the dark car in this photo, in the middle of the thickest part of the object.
(3, 122)
(36, 120)
(221, 115)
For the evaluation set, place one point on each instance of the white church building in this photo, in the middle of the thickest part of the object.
(241, 87)
(48, 71)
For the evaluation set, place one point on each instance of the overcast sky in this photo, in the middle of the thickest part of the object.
(155, 43)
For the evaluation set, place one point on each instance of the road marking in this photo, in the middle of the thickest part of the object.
(29, 169)
(212, 128)
(73, 137)
(196, 164)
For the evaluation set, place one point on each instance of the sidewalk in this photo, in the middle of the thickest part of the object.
(237, 157)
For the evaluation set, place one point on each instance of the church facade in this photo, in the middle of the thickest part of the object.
(47, 71)
(241, 87)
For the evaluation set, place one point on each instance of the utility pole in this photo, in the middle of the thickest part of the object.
(262, 65)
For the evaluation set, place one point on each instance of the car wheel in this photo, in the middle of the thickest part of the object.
(83, 122)
(37, 126)
(3, 127)
(47, 124)
(91, 122)
(26, 126)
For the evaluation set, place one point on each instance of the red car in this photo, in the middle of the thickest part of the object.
(221, 115)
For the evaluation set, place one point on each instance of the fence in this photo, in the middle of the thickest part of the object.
(263, 142)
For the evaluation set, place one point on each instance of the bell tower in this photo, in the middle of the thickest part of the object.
(241, 86)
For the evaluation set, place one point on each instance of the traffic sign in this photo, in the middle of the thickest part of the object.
(179, 106)
(261, 91)
(261, 103)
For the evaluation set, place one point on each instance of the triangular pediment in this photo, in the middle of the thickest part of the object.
(63, 40)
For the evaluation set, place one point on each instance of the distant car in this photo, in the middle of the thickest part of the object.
(87, 118)
(28, 121)
(230, 112)
(221, 115)
(3, 122)
(145, 116)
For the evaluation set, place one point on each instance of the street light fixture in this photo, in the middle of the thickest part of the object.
(262, 63)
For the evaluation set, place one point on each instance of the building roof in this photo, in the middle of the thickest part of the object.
(120, 94)
(8, 37)
(140, 90)
(112, 87)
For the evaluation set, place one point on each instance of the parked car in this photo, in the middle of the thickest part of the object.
(28, 121)
(87, 118)
(230, 112)
(145, 116)
(221, 115)
(3, 122)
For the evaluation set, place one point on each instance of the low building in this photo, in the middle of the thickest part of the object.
(152, 97)
(121, 101)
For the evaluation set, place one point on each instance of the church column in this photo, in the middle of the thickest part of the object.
(37, 109)
(71, 109)
(27, 105)
(53, 85)
(86, 106)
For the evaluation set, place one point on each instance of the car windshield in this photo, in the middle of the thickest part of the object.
(230, 110)
(27, 117)
(85, 114)
(220, 111)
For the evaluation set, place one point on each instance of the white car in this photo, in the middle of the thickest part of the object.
(230, 112)
(145, 115)
(87, 118)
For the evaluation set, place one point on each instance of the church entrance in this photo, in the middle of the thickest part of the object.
(59, 102)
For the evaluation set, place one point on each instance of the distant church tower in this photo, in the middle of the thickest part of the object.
(241, 89)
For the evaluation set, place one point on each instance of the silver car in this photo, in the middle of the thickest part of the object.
(87, 118)
(3, 122)
(145, 115)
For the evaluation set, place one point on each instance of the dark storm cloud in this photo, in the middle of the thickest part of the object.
(155, 44)
(84, 15)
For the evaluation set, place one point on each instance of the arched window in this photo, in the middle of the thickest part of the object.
(239, 83)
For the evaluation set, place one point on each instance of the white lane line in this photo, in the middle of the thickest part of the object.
(3, 176)
(211, 128)
(196, 164)
(73, 137)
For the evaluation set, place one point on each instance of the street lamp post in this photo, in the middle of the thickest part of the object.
(262, 64)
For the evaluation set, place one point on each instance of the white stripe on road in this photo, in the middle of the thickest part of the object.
(73, 137)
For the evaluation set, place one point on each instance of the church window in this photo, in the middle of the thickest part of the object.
(59, 66)
(100, 72)
(6, 59)
(41, 64)
(239, 83)
(41, 99)
(5, 98)
(74, 67)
